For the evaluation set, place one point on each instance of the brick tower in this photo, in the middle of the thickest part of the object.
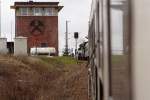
(38, 21)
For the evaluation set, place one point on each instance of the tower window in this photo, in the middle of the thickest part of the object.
(24, 11)
(47, 12)
(38, 11)
(50, 12)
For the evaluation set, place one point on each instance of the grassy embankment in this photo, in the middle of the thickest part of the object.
(34, 78)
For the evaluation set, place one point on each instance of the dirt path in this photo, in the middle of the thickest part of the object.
(76, 85)
(73, 86)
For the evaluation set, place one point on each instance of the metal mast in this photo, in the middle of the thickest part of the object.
(66, 38)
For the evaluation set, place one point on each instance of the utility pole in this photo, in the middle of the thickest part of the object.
(11, 33)
(66, 38)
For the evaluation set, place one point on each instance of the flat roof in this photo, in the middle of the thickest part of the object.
(36, 3)
(31, 4)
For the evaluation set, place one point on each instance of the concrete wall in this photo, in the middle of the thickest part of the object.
(20, 46)
(3, 46)
(141, 49)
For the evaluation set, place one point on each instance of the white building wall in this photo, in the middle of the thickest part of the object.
(3, 46)
(141, 49)
(20, 46)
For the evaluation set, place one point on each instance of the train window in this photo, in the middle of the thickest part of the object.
(120, 50)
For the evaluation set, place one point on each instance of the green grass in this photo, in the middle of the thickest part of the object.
(60, 60)
(63, 63)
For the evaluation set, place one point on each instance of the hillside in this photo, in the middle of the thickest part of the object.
(42, 78)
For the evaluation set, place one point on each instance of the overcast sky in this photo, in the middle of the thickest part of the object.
(76, 11)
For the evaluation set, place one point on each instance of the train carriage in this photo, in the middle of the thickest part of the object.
(118, 50)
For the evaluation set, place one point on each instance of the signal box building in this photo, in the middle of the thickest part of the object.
(38, 21)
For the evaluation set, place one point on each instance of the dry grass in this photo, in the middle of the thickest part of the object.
(32, 78)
